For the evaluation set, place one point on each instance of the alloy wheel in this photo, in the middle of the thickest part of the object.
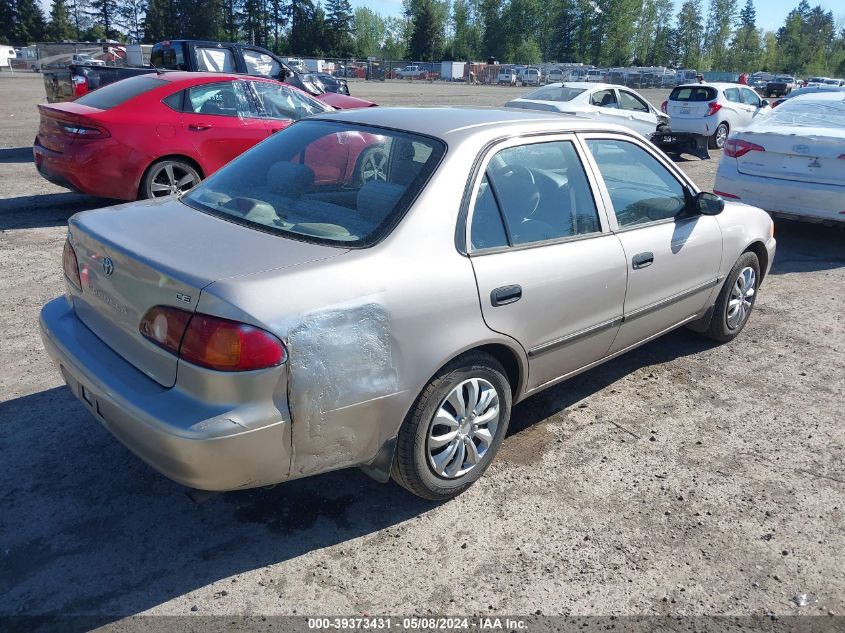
(171, 178)
(463, 428)
(742, 297)
(374, 167)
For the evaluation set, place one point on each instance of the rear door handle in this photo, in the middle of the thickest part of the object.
(199, 127)
(504, 295)
(642, 260)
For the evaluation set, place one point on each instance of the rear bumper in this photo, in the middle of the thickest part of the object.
(705, 126)
(787, 198)
(91, 170)
(197, 444)
(681, 143)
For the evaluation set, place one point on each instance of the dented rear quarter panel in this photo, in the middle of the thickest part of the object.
(367, 330)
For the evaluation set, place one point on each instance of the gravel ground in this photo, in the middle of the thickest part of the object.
(682, 478)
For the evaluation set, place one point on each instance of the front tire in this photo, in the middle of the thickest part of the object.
(736, 299)
(371, 165)
(717, 141)
(454, 429)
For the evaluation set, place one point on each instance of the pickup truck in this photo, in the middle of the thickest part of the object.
(412, 72)
(66, 83)
(779, 86)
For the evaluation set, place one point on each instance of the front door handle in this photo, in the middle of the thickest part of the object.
(199, 127)
(504, 295)
(642, 260)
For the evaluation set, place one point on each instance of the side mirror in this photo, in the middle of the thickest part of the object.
(764, 103)
(707, 203)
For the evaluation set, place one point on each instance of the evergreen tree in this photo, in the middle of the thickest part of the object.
(30, 25)
(60, 27)
(688, 34)
(720, 20)
(104, 13)
(563, 47)
(746, 48)
(76, 11)
(7, 22)
(426, 41)
(339, 18)
(161, 21)
(130, 17)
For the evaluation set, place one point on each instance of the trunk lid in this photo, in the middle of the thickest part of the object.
(140, 255)
(51, 134)
(800, 154)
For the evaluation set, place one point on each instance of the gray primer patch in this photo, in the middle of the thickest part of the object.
(337, 358)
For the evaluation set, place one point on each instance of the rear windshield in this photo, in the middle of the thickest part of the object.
(554, 93)
(810, 112)
(114, 94)
(784, 78)
(693, 93)
(323, 181)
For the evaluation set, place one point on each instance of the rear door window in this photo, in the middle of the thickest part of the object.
(541, 193)
(604, 99)
(749, 97)
(278, 101)
(732, 95)
(215, 60)
(258, 63)
(119, 92)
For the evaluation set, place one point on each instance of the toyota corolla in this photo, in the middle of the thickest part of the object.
(284, 318)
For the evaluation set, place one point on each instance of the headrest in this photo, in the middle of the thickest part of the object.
(290, 179)
(377, 199)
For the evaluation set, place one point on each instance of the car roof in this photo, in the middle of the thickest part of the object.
(174, 76)
(456, 124)
(821, 95)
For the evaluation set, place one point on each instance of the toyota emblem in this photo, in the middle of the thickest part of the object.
(108, 266)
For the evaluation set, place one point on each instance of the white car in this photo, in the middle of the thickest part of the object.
(530, 77)
(714, 110)
(791, 163)
(86, 59)
(596, 102)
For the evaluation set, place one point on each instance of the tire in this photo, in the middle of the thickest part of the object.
(717, 141)
(163, 178)
(442, 472)
(726, 323)
(371, 165)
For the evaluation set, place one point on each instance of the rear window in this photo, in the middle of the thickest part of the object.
(693, 93)
(810, 112)
(114, 94)
(323, 181)
(554, 93)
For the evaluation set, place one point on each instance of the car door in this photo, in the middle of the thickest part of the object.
(755, 104)
(550, 274)
(672, 257)
(640, 115)
(221, 121)
(740, 114)
(607, 107)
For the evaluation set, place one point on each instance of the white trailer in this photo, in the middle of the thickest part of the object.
(452, 71)
(7, 54)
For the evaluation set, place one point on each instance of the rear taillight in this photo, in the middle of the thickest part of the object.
(84, 131)
(664, 106)
(713, 108)
(71, 266)
(212, 342)
(737, 147)
(80, 85)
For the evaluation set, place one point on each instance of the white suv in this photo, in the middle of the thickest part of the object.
(714, 110)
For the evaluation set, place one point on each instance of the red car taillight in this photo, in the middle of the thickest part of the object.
(664, 106)
(80, 85)
(212, 342)
(71, 266)
(84, 131)
(714, 107)
(737, 147)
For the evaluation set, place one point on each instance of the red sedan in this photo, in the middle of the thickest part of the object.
(156, 135)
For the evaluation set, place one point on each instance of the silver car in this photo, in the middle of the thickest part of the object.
(294, 314)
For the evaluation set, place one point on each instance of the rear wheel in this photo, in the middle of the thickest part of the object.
(454, 429)
(169, 177)
(372, 165)
(717, 141)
